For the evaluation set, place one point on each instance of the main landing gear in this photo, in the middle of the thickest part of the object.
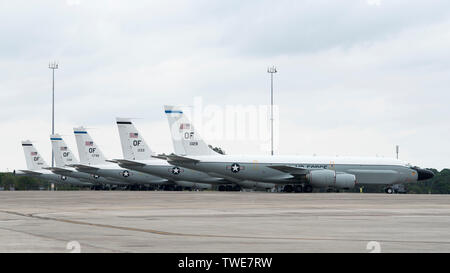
(389, 190)
(288, 188)
(229, 188)
(308, 188)
(298, 188)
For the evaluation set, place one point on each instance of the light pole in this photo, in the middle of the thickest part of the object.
(272, 70)
(53, 66)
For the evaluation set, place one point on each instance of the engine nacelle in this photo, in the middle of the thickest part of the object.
(329, 178)
(321, 178)
(345, 181)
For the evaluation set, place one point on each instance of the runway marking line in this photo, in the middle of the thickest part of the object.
(166, 233)
(58, 239)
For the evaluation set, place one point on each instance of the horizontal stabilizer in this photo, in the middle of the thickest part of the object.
(111, 161)
(59, 170)
(30, 172)
(129, 162)
(178, 158)
(163, 157)
(83, 167)
(289, 169)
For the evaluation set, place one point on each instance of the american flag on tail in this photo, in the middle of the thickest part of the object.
(185, 126)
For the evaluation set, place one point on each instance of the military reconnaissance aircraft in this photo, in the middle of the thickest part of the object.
(295, 173)
(94, 162)
(37, 167)
(138, 156)
(65, 157)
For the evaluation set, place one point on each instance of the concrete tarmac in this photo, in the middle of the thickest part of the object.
(102, 221)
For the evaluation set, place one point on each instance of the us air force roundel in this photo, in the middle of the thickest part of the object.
(125, 173)
(176, 170)
(63, 177)
(95, 176)
(235, 167)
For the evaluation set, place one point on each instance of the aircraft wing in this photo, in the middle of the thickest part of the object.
(179, 158)
(290, 169)
(83, 167)
(30, 172)
(129, 162)
(57, 170)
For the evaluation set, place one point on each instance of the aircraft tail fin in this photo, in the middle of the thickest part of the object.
(88, 150)
(63, 154)
(186, 140)
(134, 146)
(32, 157)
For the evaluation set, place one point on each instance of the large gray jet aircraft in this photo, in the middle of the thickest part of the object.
(94, 162)
(65, 157)
(295, 173)
(37, 167)
(138, 156)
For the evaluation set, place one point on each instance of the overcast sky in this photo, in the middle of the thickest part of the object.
(355, 77)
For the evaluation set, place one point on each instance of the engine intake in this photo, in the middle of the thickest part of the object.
(328, 178)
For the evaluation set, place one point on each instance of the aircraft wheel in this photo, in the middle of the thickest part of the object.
(308, 188)
(222, 188)
(288, 188)
(178, 188)
(389, 190)
(228, 188)
(170, 188)
(237, 188)
(298, 188)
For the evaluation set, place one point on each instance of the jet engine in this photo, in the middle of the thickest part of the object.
(345, 181)
(329, 178)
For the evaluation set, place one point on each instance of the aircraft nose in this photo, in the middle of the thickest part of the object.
(424, 174)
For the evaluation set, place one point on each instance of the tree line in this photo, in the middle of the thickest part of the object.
(25, 183)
